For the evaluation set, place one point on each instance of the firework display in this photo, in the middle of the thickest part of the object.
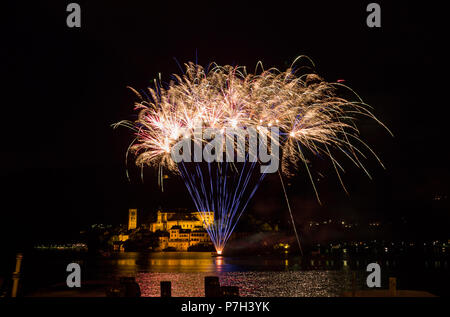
(309, 114)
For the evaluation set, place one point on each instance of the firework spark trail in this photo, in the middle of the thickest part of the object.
(228, 198)
(311, 118)
(290, 213)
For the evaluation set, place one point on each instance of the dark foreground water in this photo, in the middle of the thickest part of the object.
(255, 275)
(256, 284)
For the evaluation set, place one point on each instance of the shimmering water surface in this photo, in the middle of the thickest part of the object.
(258, 284)
(270, 276)
(255, 276)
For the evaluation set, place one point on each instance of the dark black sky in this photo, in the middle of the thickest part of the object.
(62, 165)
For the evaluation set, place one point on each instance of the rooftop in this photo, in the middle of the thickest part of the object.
(182, 217)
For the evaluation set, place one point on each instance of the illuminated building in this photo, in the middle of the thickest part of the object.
(118, 241)
(166, 220)
(181, 239)
(132, 219)
(185, 229)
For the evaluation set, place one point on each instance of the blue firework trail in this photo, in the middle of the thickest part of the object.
(223, 188)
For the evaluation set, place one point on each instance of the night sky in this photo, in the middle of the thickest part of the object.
(63, 166)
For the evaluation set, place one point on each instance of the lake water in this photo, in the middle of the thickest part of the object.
(254, 275)
(255, 284)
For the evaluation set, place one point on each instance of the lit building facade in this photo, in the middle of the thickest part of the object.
(181, 239)
(166, 220)
(132, 219)
(118, 241)
(185, 229)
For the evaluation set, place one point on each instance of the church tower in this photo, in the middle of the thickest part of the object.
(132, 219)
